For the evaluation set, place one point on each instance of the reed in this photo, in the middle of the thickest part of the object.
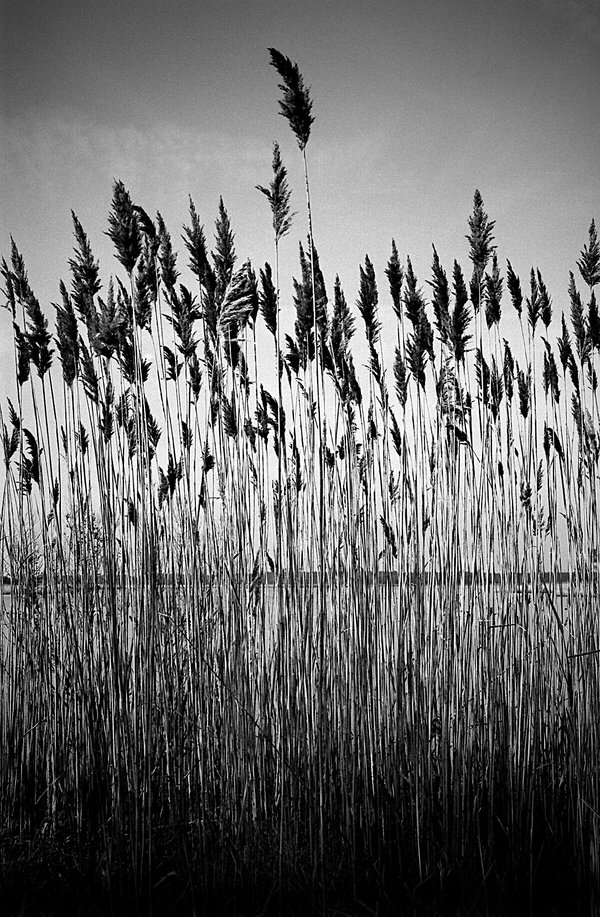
(337, 644)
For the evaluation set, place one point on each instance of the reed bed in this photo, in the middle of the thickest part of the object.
(333, 643)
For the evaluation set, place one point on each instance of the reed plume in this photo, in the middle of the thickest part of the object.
(296, 104)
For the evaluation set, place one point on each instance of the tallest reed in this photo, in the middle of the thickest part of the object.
(319, 644)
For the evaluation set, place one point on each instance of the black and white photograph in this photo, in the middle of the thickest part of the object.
(299, 458)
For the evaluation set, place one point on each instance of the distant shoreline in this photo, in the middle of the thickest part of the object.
(386, 578)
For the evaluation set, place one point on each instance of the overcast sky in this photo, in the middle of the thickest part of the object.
(415, 105)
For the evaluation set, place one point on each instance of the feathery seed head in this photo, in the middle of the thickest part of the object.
(342, 324)
(480, 239)
(514, 288)
(166, 256)
(85, 270)
(278, 194)
(296, 104)
(224, 256)
(441, 299)
(195, 242)
(268, 299)
(124, 228)
(509, 371)
(367, 301)
(564, 344)
(578, 320)
(395, 277)
(9, 291)
(461, 315)
(493, 294)
(67, 337)
(533, 301)
(589, 263)
(524, 386)
(545, 301)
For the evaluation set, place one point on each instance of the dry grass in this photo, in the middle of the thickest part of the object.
(311, 647)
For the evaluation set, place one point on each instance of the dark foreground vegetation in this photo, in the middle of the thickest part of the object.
(280, 636)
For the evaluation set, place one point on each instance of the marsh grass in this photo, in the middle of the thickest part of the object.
(309, 649)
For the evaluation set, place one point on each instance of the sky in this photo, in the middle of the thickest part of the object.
(415, 106)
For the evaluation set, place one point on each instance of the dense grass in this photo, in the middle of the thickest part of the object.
(309, 648)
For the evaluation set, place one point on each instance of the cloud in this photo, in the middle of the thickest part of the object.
(583, 16)
(164, 156)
